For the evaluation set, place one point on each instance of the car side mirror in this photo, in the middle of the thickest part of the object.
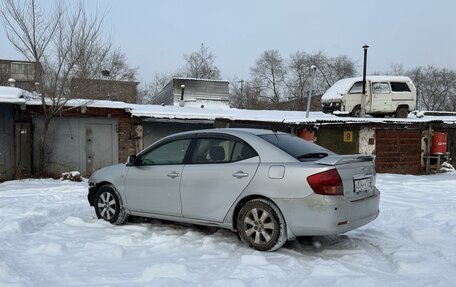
(133, 160)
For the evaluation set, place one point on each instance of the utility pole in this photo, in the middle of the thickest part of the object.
(181, 102)
(362, 113)
(313, 69)
(242, 86)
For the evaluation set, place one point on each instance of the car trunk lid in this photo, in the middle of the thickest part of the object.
(357, 173)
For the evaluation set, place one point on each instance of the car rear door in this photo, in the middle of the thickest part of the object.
(219, 170)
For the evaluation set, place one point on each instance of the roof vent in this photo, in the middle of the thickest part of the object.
(12, 82)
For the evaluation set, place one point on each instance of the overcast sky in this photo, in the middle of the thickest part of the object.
(155, 35)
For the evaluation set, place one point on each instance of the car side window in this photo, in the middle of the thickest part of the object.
(242, 151)
(168, 153)
(381, 88)
(213, 150)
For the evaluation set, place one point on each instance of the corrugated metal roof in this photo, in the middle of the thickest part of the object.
(201, 80)
(273, 116)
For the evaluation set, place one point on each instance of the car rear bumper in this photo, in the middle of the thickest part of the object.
(327, 215)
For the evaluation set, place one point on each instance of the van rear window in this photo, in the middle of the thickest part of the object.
(400, 87)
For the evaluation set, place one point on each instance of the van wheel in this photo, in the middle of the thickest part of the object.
(401, 113)
(356, 112)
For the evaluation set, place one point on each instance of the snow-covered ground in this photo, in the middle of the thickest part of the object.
(49, 236)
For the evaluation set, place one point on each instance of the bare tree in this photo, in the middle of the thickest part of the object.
(336, 68)
(269, 74)
(27, 28)
(201, 65)
(99, 56)
(246, 95)
(396, 70)
(57, 42)
(435, 88)
(298, 77)
(330, 70)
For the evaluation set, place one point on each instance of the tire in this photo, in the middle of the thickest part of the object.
(108, 205)
(356, 112)
(401, 113)
(261, 225)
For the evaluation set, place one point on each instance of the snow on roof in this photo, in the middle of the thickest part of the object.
(12, 95)
(210, 114)
(197, 79)
(341, 87)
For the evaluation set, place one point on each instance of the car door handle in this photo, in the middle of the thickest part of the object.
(173, 174)
(240, 174)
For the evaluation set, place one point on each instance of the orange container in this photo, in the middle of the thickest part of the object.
(439, 143)
(307, 135)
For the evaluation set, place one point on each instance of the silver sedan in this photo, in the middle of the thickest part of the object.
(268, 186)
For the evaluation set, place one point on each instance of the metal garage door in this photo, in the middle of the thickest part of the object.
(6, 142)
(99, 144)
(398, 151)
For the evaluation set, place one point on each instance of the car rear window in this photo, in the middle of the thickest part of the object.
(297, 147)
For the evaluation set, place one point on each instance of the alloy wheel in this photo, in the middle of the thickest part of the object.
(259, 226)
(106, 205)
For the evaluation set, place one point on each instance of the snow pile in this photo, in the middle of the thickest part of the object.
(12, 95)
(49, 236)
(71, 175)
(447, 167)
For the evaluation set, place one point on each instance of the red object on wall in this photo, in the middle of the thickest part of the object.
(307, 135)
(439, 143)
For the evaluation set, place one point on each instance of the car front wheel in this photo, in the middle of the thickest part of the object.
(261, 225)
(108, 205)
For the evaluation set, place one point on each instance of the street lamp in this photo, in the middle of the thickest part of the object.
(363, 97)
(105, 74)
(313, 69)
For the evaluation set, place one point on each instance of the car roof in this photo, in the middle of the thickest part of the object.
(231, 131)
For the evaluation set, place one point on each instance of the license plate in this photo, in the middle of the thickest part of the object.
(363, 184)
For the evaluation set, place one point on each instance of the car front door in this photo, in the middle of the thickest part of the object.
(219, 170)
(152, 186)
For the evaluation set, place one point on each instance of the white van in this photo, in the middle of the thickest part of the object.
(386, 95)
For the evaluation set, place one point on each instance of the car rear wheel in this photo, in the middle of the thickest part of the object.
(108, 205)
(261, 225)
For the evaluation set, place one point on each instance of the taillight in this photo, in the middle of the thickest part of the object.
(326, 183)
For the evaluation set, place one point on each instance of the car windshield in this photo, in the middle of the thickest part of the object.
(297, 147)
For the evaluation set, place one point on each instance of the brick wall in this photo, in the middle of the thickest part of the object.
(104, 90)
(126, 138)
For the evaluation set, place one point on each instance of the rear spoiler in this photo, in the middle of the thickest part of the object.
(345, 159)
